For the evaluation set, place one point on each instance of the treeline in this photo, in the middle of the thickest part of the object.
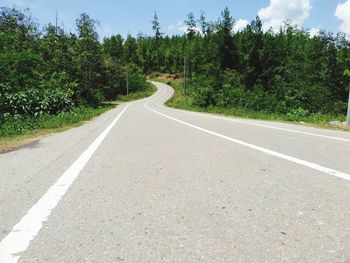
(49, 71)
(284, 71)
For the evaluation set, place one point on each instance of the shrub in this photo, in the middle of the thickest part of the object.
(260, 100)
(204, 94)
(52, 97)
(297, 114)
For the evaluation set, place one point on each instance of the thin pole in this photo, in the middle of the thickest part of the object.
(127, 80)
(348, 115)
(185, 76)
(56, 24)
(188, 75)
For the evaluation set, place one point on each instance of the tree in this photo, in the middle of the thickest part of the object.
(130, 47)
(113, 47)
(90, 61)
(86, 26)
(202, 23)
(191, 26)
(254, 44)
(158, 36)
(227, 49)
(49, 71)
(156, 27)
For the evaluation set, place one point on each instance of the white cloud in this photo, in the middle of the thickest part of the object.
(181, 27)
(240, 25)
(343, 14)
(280, 11)
(315, 31)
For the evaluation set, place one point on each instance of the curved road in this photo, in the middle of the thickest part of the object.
(146, 183)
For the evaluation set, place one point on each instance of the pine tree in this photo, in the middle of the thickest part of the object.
(191, 26)
(158, 36)
(225, 40)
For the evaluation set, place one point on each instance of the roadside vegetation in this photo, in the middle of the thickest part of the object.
(51, 79)
(285, 75)
(138, 94)
(180, 101)
(23, 130)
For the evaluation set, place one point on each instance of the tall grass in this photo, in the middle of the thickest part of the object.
(30, 125)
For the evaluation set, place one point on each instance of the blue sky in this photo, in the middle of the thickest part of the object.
(135, 16)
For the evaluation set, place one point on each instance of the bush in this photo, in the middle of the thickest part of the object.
(137, 82)
(297, 114)
(258, 99)
(34, 102)
(237, 97)
(204, 94)
(52, 97)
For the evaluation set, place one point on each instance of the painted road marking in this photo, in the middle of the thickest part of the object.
(259, 124)
(276, 128)
(17, 241)
(261, 149)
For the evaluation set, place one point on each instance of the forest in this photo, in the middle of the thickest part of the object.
(46, 70)
(285, 71)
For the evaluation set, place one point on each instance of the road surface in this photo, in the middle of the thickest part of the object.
(146, 183)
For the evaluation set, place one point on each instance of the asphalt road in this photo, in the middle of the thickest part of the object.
(146, 183)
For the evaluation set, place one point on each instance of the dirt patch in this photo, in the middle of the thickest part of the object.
(17, 144)
(167, 76)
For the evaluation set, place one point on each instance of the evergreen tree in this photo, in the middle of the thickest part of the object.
(202, 23)
(225, 40)
(191, 26)
(158, 36)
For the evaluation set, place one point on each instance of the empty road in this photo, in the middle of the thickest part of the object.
(146, 183)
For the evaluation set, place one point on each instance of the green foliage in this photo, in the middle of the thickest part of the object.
(297, 115)
(254, 69)
(21, 125)
(347, 73)
(191, 26)
(139, 94)
(33, 102)
(204, 94)
(50, 72)
(156, 27)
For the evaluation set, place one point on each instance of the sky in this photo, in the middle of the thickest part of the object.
(135, 16)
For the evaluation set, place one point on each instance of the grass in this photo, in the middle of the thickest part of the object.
(18, 132)
(180, 101)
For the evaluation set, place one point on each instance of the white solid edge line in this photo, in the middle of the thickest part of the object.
(274, 127)
(258, 124)
(261, 149)
(17, 241)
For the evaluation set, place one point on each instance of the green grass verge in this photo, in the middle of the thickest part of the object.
(21, 131)
(17, 132)
(180, 101)
(25, 126)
